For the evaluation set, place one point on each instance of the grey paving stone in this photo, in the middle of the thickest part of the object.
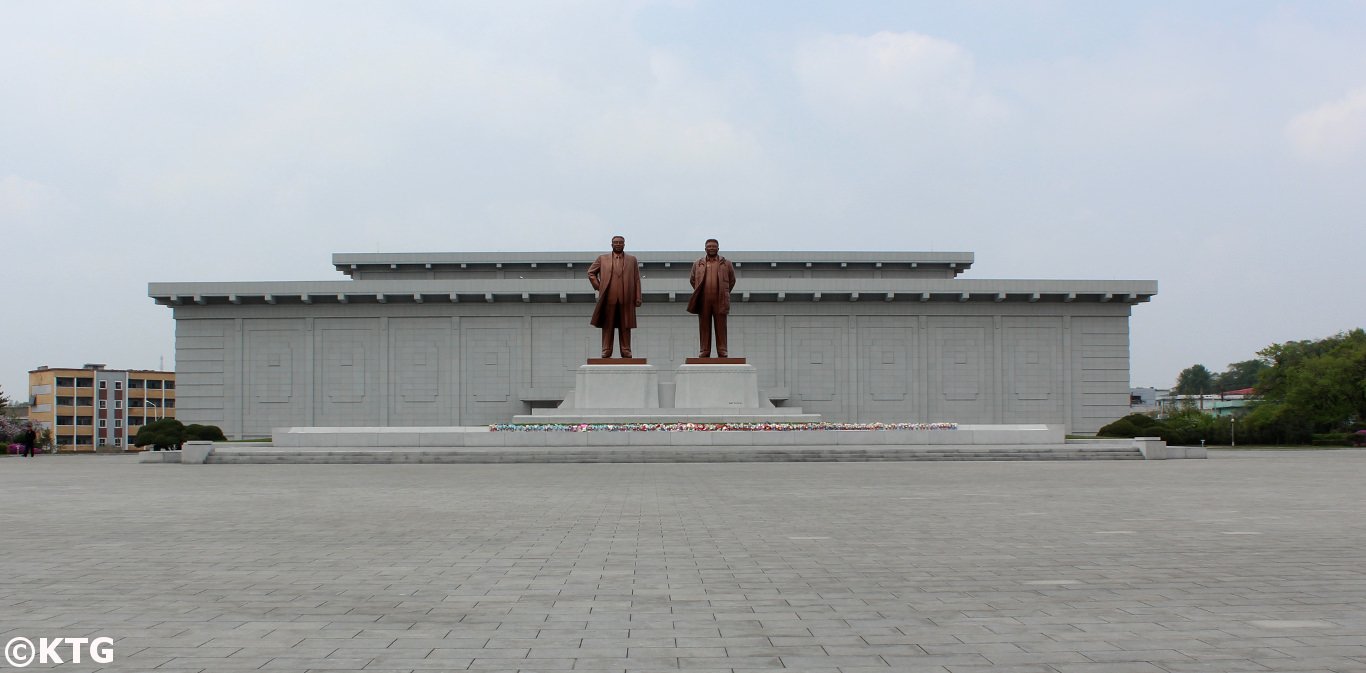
(1084, 567)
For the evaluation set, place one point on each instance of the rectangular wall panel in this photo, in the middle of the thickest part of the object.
(422, 372)
(663, 340)
(1100, 366)
(277, 377)
(559, 346)
(346, 371)
(818, 366)
(491, 351)
(960, 370)
(755, 338)
(887, 370)
(199, 361)
(1033, 391)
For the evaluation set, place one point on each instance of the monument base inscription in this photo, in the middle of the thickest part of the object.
(734, 386)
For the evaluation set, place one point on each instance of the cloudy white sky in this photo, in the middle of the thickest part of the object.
(1218, 147)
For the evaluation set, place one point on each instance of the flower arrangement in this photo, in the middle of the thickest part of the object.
(712, 427)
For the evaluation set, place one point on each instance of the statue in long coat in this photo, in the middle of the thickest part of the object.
(616, 277)
(712, 278)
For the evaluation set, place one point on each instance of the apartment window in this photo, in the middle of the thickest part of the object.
(104, 404)
(154, 385)
(118, 385)
(103, 424)
(169, 385)
(85, 401)
(118, 422)
(66, 420)
(118, 441)
(104, 384)
(85, 420)
(101, 441)
(84, 440)
(118, 404)
(169, 404)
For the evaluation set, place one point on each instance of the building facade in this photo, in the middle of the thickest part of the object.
(439, 339)
(1220, 405)
(94, 408)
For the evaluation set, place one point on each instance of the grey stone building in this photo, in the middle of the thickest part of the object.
(439, 339)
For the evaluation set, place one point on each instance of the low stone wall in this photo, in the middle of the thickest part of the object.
(440, 437)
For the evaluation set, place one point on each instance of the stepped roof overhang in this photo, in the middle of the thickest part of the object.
(379, 262)
(564, 290)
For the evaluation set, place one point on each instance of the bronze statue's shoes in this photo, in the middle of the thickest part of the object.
(626, 354)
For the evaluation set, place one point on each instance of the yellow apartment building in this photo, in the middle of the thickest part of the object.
(98, 409)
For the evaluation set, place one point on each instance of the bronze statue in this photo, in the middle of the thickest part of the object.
(713, 277)
(616, 277)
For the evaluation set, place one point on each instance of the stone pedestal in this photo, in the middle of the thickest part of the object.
(701, 393)
(712, 386)
(615, 387)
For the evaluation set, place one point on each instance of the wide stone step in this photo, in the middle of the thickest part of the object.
(716, 455)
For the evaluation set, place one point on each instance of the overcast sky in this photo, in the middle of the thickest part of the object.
(1218, 147)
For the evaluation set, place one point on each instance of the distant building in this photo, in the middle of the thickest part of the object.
(94, 408)
(452, 339)
(1143, 400)
(1229, 403)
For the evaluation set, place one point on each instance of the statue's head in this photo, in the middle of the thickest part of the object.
(618, 243)
(712, 247)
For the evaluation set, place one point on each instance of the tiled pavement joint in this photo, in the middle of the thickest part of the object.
(1250, 561)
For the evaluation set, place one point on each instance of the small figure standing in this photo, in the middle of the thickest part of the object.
(616, 277)
(713, 277)
(29, 438)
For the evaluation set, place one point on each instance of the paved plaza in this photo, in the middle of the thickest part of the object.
(1248, 561)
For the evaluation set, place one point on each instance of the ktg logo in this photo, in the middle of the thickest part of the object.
(20, 652)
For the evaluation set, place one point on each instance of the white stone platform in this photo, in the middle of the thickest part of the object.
(481, 445)
(669, 415)
(425, 437)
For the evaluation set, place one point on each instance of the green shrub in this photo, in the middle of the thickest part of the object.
(1142, 420)
(1120, 428)
(167, 433)
(204, 433)
(1331, 439)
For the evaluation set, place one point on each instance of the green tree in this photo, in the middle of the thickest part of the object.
(4, 401)
(1239, 375)
(1194, 380)
(1322, 382)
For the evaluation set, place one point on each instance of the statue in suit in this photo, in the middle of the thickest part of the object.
(616, 277)
(713, 277)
